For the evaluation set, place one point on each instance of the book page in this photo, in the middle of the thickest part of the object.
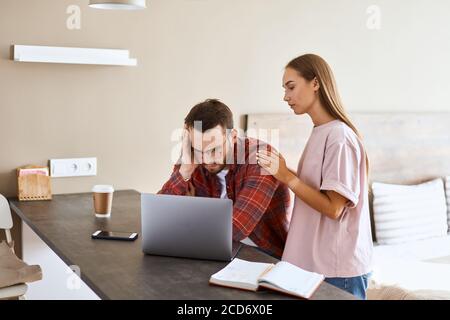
(241, 273)
(293, 279)
(29, 171)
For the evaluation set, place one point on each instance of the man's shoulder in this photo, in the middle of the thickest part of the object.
(246, 161)
(252, 145)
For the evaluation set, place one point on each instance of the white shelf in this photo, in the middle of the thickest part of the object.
(73, 55)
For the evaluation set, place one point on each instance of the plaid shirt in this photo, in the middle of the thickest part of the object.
(260, 201)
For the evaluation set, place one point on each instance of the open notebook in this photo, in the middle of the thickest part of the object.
(283, 277)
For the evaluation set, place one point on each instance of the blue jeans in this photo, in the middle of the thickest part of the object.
(356, 286)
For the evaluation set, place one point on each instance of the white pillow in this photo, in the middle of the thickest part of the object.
(447, 192)
(405, 213)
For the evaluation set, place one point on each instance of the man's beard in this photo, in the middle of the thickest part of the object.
(214, 168)
(217, 167)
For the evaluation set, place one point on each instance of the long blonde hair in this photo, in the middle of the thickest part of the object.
(310, 66)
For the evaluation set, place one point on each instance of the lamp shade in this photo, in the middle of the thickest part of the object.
(118, 4)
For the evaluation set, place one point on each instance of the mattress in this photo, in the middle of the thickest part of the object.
(418, 265)
(416, 250)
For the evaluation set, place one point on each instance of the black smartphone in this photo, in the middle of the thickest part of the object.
(114, 235)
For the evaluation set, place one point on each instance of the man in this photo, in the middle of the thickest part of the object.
(216, 163)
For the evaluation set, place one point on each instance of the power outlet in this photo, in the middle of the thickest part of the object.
(73, 167)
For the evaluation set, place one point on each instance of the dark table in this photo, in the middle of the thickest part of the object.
(119, 269)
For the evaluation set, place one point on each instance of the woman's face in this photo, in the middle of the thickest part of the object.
(300, 93)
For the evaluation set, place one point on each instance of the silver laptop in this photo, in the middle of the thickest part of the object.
(190, 227)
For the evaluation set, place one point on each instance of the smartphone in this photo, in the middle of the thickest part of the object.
(114, 235)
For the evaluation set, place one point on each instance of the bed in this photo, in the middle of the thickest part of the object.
(403, 148)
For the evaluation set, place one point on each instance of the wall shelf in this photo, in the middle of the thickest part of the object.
(45, 54)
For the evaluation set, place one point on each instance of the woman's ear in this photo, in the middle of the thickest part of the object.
(316, 84)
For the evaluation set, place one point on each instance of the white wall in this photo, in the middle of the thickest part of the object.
(189, 50)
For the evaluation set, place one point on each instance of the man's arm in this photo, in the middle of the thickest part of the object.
(252, 203)
(176, 184)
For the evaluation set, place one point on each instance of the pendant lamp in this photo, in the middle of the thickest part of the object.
(118, 4)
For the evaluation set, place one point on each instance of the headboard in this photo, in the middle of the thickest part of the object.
(403, 148)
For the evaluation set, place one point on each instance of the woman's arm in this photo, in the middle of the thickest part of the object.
(329, 203)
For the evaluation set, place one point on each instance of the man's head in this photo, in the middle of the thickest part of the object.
(210, 125)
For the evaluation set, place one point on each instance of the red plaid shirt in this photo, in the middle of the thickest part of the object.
(260, 201)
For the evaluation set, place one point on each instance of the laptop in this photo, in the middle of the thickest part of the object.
(189, 227)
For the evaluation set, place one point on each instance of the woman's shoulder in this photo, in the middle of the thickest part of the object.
(341, 133)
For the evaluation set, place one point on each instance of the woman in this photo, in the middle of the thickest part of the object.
(330, 230)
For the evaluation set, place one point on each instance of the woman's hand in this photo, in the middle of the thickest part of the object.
(275, 164)
(329, 203)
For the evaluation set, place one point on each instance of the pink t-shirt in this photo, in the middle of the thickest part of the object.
(333, 159)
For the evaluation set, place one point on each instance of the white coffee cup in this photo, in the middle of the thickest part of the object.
(103, 196)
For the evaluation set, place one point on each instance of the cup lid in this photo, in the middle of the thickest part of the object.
(103, 188)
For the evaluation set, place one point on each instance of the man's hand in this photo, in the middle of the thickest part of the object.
(188, 164)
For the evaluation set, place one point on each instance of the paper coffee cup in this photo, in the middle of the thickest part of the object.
(103, 196)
